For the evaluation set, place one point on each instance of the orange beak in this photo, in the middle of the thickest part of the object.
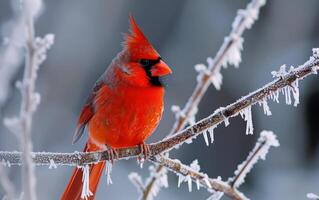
(160, 69)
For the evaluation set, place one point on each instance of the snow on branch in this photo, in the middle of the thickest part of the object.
(192, 174)
(266, 140)
(169, 143)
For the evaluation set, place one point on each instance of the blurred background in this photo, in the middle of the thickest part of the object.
(88, 35)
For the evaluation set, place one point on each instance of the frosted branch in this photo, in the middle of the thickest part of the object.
(6, 184)
(169, 143)
(136, 179)
(266, 140)
(212, 185)
(35, 54)
(229, 52)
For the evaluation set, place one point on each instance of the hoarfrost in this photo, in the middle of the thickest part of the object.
(233, 56)
(108, 171)
(161, 181)
(86, 193)
(206, 138)
(216, 196)
(265, 106)
(52, 164)
(265, 141)
(246, 115)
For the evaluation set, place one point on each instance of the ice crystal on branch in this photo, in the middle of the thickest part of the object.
(216, 77)
(86, 193)
(247, 116)
(181, 178)
(233, 56)
(136, 179)
(265, 106)
(265, 141)
(290, 89)
(161, 181)
(108, 171)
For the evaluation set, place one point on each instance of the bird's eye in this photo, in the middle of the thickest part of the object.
(145, 62)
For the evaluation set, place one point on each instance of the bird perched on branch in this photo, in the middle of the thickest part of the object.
(124, 107)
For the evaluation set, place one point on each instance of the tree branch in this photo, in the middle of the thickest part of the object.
(7, 185)
(199, 178)
(211, 74)
(265, 141)
(167, 144)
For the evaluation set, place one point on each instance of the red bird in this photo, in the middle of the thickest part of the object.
(124, 107)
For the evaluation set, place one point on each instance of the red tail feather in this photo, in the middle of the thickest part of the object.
(74, 187)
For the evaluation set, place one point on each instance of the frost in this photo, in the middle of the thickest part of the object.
(265, 141)
(216, 77)
(315, 52)
(52, 164)
(312, 196)
(250, 14)
(136, 179)
(13, 124)
(290, 89)
(274, 96)
(140, 162)
(216, 196)
(161, 181)
(246, 115)
(108, 171)
(226, 121)
(181, 178)
(265, 106)
(281, 73)
(209, 131)
(206, 138)
(86, 193)
(206, 179)
(179, 113)
(233, 55)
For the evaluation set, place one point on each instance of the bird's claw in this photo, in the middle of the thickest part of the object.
(112, 154)
(145, 151)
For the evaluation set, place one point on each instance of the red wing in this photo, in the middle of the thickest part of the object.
(87, 112)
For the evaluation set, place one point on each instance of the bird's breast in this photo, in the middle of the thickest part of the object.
(127, 117)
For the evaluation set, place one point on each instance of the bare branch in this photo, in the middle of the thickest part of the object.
(220, 115)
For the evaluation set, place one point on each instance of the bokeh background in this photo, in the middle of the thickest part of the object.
(88, 35)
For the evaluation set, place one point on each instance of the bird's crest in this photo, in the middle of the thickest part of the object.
(136, 42)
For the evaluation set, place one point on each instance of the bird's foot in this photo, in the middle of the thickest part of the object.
(112, 154)
(145, 150)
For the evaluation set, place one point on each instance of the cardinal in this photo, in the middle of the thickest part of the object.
(124, 107)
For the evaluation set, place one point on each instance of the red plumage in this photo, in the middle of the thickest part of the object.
(125, 105)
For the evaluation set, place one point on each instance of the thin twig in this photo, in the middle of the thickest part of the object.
(211, 184)
(220, 115)
(6, 184)
(241, 22)
(266, 140)
(35, 54)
